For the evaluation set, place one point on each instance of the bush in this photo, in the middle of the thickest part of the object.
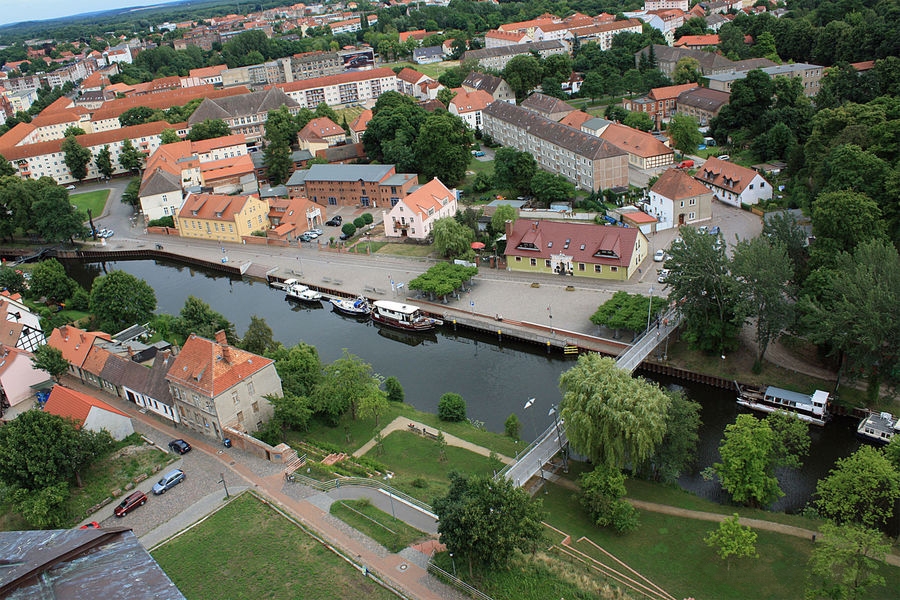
(394, 389)
(349, 229)
(79, 301)
(367, 218)
(512, 426)
(258, 233)
(359, 222)
(163, 222)
(452, 407)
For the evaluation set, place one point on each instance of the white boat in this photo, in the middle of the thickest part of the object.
(809, 408)
(878, 428)
(307, 295)
(283, 285)
(402, 316)
(293, 291)
(354, 307)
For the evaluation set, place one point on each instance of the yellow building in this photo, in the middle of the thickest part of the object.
(222, 218)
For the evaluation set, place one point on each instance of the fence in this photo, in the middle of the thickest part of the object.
(457, 582)
(325, 486)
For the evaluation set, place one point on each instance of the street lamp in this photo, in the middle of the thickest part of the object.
(222, 481)
(533, 426)
(649, 307)
(555, 414)
(390, 492)
(454, 564)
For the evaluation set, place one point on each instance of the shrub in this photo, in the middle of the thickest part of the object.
(359, 222)
(162, 222)
(452, 407)
(512, 426)
(79, 300)
(394, 389)
(348, 229)
(367, 218)
(259, 233)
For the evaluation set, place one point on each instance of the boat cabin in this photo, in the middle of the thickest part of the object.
(797, 402)
(878, 428)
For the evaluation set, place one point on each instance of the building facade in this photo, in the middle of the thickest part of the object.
(375, 186)
(414, 216)
(678, 199)
(733, 184)
(221, 218)
(345, 89)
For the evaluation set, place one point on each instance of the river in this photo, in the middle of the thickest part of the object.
(495, 379)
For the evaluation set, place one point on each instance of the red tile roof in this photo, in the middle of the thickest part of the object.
(675, 184)
(671, 92)
(75, 405)
(725, 175)
(74, 343)
(698, 40)
(163, 100)
(410, 75)
(430, 196)
(473, 101)
(215, 207)
(587, 243)
(634, 142)
(321, 127)
(362, 121)
(576, 119)
(419, 34)
(212, 368)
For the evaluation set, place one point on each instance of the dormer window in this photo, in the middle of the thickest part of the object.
(549, 244)
(567, 243)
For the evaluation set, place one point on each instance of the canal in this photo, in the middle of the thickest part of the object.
(495, 379)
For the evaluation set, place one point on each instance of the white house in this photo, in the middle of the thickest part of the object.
(414, 215)
(21, 328)
(468, 106)
(733, 184)
(678, 199)
(19, 380)
(88, 412)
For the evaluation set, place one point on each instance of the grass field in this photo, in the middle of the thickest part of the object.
(248, 551)
(393, 534)
(90, 201)
(433, 70)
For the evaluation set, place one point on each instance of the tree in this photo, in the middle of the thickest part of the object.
(844, 220)
(678, 450)
(442, 147)
(6, 168)
(50, 359)
(732, 539)
(103, 162)
(136, 116)
(259, 338)
(72, 131)
(849, 315)
(130, 158)
(39, 450)
(199, 318)
(77, 157)
(393, 389)
(445, 96)
(687, 70)
(782, 228)
(298, 367)
(846, 561)
(290, 412)
(710, 295)
(750, 451)
(523, 73)
(169, 136)
(765, 270)
(12, 280)
(344, 385)
(451, 407)
(632, 81)
(53, 217)
(602, 493)
(485, 521)
(593, 85)
(451, 239)
(209, 129)
(372, 405)
(610, 417)
(861, 490)
(512, 426)
(120, 300)
(548, 188)
(503, 214)
(49, 279)
(685, 133)
(514, 170)
(627, 311)
(638, 120)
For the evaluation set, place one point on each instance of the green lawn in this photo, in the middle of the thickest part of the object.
(393, 534)
(93, 201)
(433, 70)
(248, 551)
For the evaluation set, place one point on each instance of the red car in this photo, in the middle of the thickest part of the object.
(131, 502)
(91, 525)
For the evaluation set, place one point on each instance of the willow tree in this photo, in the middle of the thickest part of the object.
(611, 417)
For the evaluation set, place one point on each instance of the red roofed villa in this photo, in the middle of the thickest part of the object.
(577, 249)
(216, 385)
(414, 215)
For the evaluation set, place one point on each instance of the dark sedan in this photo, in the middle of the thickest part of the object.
(179, 446)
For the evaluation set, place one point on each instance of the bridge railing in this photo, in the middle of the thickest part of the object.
(325, 486)
(525, 451)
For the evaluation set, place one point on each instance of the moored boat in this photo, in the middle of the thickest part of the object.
(354, 307)
(878, 428)
(283, 285)
(308, 296)
(402, 316)
(809, 408)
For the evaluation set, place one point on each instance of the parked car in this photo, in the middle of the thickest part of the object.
(313, 234)
(663, 275)
(659, 256)
(305, 237)
(70, 188)
(724, 157)
(91, 525)
(477, 153)
(179, 446)
(335, 221)
(685, 164)
(168, 481)
(131, 502)
(714, 230)
(344, 236)
(703, 230)
(317, 231)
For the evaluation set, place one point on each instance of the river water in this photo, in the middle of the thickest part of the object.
(495, 379)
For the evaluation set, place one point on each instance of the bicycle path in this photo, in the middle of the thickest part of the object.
(402, 423)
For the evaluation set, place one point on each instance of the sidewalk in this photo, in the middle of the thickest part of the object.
(405, 575)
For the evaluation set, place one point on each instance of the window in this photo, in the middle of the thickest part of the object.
(256, 407)
(533, 262)
(581, 266)
(518, 259)
(250, 387)
(547, 263)
(598, 268)
(240, 416)
(234, 396)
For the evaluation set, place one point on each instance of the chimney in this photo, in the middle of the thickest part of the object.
(221, 338)
(508, 226)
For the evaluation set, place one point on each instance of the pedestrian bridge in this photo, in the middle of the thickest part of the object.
(651, 339)
(530, 461)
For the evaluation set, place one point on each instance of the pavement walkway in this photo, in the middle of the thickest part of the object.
(403, 424)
